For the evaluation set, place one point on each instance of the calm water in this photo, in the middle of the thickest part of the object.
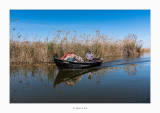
(118, 80)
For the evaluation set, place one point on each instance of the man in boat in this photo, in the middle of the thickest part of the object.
(89, 56)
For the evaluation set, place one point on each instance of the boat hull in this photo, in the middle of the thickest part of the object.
(63, 64)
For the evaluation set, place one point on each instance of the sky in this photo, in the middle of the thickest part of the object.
(116, 24)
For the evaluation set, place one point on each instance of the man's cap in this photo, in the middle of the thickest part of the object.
(89, 51)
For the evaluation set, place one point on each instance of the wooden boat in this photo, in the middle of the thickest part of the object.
(63, 64)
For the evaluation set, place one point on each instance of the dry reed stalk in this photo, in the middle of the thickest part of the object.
(23, 51)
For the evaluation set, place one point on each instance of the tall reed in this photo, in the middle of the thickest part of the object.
(31, 52)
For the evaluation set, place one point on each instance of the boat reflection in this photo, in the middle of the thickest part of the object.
(71, 77)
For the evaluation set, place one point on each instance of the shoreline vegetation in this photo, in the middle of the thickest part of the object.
(23, 51)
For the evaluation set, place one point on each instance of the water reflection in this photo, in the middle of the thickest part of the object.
(131, 69)
(72, 77)
(120, 80)
(45, 74)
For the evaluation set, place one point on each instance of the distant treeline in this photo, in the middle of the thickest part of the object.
(23, 51)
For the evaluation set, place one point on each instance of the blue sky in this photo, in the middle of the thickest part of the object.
(113, 23)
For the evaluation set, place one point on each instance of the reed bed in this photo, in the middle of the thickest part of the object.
(145, 50)
(32, 52)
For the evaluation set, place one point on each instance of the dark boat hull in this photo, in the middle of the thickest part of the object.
(63, 64)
